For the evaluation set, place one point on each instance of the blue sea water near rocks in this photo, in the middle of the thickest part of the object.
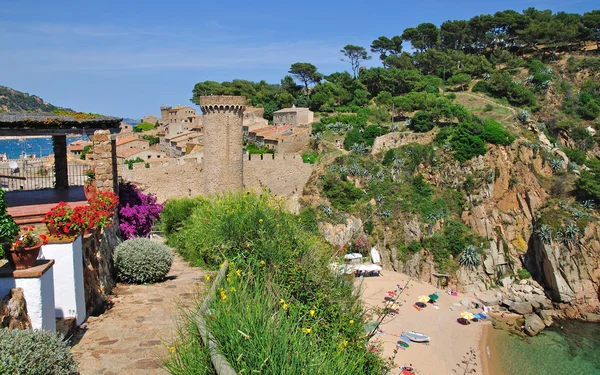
(42, 146)
(573, 349)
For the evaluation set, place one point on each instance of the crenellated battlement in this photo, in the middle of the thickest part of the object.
(222, 103)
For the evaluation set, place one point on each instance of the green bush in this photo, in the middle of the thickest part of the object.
(495, 133)
(28, 352)
(341, 194)
(144, 126)
(576, 156)
(176, 211)
(481, 86)
(8, 228)
(422, 122)
(141, 260)
(524, 274)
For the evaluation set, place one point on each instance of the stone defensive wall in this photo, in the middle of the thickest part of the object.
(284, 174)
(397, 139)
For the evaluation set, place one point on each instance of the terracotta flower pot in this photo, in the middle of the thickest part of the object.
(54, 230)
(90, 190)
(23, 259)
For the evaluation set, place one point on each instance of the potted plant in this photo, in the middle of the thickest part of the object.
(8, 228)
(98, 214)
(59, 220)
(89, 187)
(25, 249)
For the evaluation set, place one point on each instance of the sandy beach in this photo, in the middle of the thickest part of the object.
(450, 341)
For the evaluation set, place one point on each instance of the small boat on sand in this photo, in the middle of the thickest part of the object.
(416, 336)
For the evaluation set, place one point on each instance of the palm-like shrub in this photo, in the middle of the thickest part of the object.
(470, 257)
(28, 352)
(141, 260)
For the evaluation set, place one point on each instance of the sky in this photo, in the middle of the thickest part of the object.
(126, 58)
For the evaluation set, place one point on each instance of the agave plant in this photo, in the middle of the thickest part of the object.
(380, 175)
(386, 214)
(326, 209)
(359, 148)
(572, 167)
(556, 165)
(588, 205)
(354, 170)
(544, 233)
(470, 257)
(571, 232)
(486, 76)
(524, 116)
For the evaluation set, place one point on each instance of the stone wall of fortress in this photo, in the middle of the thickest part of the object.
(284, 174)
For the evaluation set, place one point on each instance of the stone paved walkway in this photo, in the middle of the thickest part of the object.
(128, 338)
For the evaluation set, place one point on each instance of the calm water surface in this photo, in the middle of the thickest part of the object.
(572, 350)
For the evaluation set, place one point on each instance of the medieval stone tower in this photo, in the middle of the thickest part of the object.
(222, 170)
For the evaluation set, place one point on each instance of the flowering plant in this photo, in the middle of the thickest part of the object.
(28, 239)
(98, 213)
(137, 211)
(61, 217)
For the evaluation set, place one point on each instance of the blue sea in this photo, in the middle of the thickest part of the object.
(573, 349)
(42, 146)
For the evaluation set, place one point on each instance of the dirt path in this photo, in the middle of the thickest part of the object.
(128, 338)
(511, 109)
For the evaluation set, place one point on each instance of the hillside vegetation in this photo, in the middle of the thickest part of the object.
(15, 101)
(457, 154)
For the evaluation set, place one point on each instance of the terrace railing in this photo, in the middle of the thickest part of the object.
(35, 177)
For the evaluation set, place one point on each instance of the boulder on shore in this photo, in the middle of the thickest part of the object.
(489, 297)
(523, 308)
(534, 325)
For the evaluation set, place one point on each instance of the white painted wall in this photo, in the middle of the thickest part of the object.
(69, 295)
(39, 296)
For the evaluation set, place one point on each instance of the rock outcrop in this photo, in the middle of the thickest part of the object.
(13, 311)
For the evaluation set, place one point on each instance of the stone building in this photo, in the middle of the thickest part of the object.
(253, 119)
(132, 142)
(223, 117)
(184, 114)
(76, 148)
(293, 116)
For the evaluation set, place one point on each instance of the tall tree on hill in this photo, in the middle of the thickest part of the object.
(454, 34)
(591, 20)
(387, 47)
(355, 55)
(424, 36)
(305, 72)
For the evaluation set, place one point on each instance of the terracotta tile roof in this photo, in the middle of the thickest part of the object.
(124, 140)
(78, 145)
(127, 153)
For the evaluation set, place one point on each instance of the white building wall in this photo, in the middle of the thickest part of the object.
(39, 297)
(69, 294)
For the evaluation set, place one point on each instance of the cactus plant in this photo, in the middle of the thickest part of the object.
(470, 257)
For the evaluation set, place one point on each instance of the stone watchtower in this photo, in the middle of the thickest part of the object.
(222, 170)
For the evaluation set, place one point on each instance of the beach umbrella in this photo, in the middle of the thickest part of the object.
(423, 299)
(467, 315)
(434, 297)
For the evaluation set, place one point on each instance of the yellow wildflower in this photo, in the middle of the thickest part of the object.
(172, 349)
(345, 343)
(281, 301)
(277, 225)
(260, 220)
(312, 313)
(228, 278)
(207, 277)
(285, 306)
(262, 262)
(306, 330)
(238, 272)
(233, 289)
(223, 296)
(299, 219)
(351, 321)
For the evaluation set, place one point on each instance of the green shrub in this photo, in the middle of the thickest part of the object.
(28, 352)
(481, 86)
(576, 156)
(495, 133)
(142, 127)
(422, 122)
(176, 211)
(141, 260)
(341, 194)
(309, 157)
(8, 228)
(524, 274)
(488, 107)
